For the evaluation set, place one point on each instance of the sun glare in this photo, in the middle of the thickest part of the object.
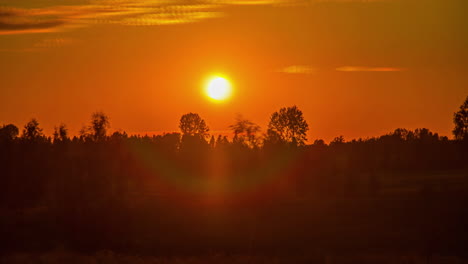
(218, 88)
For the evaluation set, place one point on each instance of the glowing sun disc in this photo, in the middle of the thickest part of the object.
(218, 88)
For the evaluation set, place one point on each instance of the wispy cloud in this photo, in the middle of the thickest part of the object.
(14, 20)
(130, 12)
(298, 69)
(54, 42)
(307, 69)
(368, 69)
(286, 2)
(123, 12)
(43, 44)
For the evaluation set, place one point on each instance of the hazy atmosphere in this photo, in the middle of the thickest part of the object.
(356, 68)
(234, 131)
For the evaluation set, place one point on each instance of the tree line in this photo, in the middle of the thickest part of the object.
(100, 190)
(286, 127)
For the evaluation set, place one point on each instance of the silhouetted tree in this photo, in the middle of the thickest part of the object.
(424, 134)
(319, 142)
(212, 142)
(97, 131)
(403, 134)
(337, 141)
(99, 124)
(287, 126)
(8, 132)
(245, 132)
(194, 132)
(222, 142)
(32, 131)
(460, 119)
(192, 124)
(118, 136)
(61, 133)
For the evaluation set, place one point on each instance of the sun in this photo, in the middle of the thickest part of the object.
(218, 88)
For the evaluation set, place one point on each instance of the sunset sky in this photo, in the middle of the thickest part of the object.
(356, 68)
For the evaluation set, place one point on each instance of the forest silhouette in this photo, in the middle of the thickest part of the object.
(262, 193)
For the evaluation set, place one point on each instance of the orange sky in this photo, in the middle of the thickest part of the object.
(355, 68)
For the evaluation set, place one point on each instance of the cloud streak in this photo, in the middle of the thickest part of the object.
(306, 69)
(298, 69)
(54, 42)
(135, 13)
(123, 12)
(368, 69)
(13, 20)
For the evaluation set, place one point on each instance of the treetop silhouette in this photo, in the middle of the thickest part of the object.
(460, 119)
(8, 132)
(97, 130)
(32, 131)
(192, 124)
(287, 126)
(245, 132)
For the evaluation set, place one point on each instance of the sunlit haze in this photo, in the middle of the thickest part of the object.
(355, 68)
(234, 131)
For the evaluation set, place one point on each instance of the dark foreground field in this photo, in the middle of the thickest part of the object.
(394, 227)
(164, 199)
(109, 257)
